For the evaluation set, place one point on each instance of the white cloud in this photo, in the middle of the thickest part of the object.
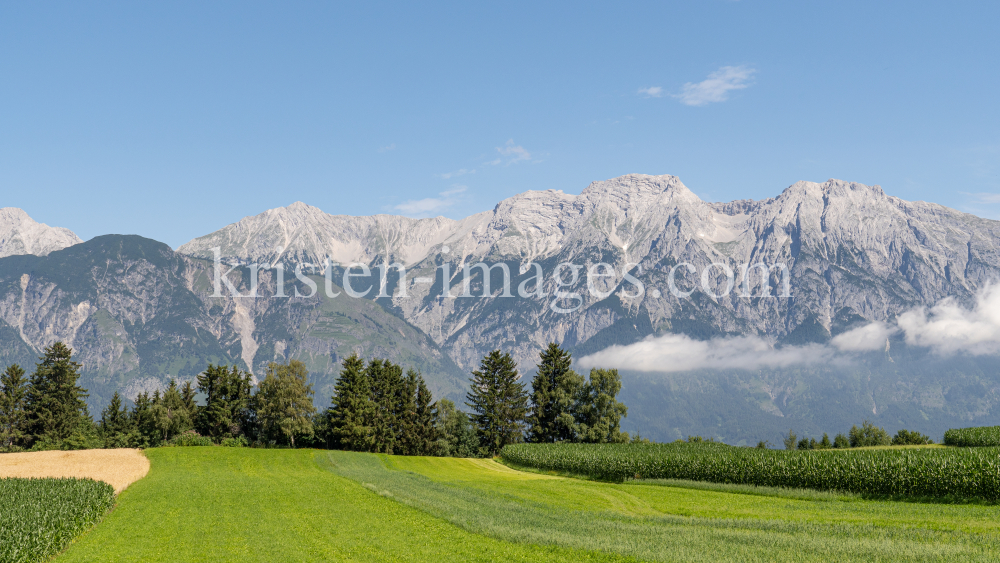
(457, 173)
(677, 352)
(494, 162)
(947, 328)
(716, 87)
(455, 190)
(984, 198)
(516, 153)
(432, 205)
(863, 339)
(387, 148)
(651, 92)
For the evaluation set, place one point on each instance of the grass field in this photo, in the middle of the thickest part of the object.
(231, 504)
(239, 504)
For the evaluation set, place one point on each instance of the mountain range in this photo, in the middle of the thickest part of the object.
(855, 333)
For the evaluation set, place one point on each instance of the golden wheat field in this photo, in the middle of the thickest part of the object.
(120, 467)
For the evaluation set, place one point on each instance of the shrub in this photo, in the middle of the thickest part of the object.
(790, 440)
(189, 438)
(907, 438)
(978, 436)
(238, 442)
(961, 473)
(39, 517)
(868, 435)
(841, 441)
(700, 440)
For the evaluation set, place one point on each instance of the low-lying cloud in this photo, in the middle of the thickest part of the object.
(677, 352)
(946, 329)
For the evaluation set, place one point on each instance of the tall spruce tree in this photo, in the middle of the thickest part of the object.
(352, 412)
(141, 417)
(13, 417)
(54, 402)
(187, 395)
(554, 393)
(498, 401)
(388, 390)
(408, 437)
(116, 427)
(424, 432)
(284, 401)
(599, 413)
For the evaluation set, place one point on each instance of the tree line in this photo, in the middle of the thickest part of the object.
(47, 410)
(867, 435)
(376, 407)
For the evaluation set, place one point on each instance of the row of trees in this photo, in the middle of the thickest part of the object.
(376, 407)
(858, 437)
(48, 411)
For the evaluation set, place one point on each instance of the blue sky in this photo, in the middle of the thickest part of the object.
(171, 120)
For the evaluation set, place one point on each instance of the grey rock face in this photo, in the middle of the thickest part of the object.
(852, 253)
(137, 314)
(20, 234)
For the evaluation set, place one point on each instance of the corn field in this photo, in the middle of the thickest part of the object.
(980, 436)
(943, 472)
(39, 517)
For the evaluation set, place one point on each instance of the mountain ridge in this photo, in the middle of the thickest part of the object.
(851, 250)
(20, 234)
(855, 257)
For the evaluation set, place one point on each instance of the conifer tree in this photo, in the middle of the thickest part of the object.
(187, 394)
(142, 420)
(825, 443)
(387, 390)
(116, 426)
(227, 412)
(352, 412)
(408, 435)
(284, 400)
(424, 430)
(555, 390)
(54, 402)
(599, 413)
(13, 418)
(498, 401)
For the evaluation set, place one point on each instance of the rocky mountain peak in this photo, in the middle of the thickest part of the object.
(20, 234)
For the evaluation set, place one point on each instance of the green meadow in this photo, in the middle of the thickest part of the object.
(236, 504)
